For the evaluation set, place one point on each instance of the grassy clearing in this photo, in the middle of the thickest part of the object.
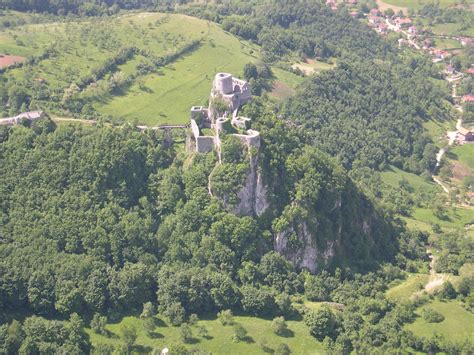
(418, 4)
(79, 47)
(452, 29)
(312, 66)
(456, 217)
(285, 84)
(219, 340)
(393, 175)
(437, 129)
(447, 44)
(465, 154)
(406, 288)
(166, 97)
(457, 325)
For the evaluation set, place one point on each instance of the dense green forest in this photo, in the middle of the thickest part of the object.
(98, 222)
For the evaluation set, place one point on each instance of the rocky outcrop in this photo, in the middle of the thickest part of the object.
(308, 254)
(252, 197)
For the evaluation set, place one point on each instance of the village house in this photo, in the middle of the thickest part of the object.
(382, 28)
(397, 24)
(470, 71)
(439, 55)
(464, 135)
(412, 30)
(332, 4)
(467, 98)
(374, 20)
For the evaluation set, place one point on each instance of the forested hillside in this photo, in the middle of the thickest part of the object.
(115, 239)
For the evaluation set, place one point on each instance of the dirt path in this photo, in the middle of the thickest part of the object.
(452, 138)
(436, 280)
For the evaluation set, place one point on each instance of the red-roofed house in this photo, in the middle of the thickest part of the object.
(373, 20)
(470, 71)
(468, 98)
(382, 28)
(402, 22)
(439, 55)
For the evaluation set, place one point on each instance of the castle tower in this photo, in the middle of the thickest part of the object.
(223, 83)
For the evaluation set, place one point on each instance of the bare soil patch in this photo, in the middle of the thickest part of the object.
(7, 60)
(460, 171)
(281, 91)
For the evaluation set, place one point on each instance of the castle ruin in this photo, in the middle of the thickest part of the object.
(234, 93)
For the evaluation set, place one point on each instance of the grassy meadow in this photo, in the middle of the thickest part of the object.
(418, 4)
(165, 97)
(464, 154)
(457, 325)
(219, 339)
(403, 290)
(393, 175)
(76, 49)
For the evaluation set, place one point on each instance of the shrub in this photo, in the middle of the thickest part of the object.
(148, 310)
(239, 333)
(226, 317)
(193, 319)
(186, 333)
(321, 323)
(431, 316)
(279, 325)
(98, 323)
(283, 349)
(176, 313)
(448, 291)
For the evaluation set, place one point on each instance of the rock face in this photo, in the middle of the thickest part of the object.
(252, 196)
(308, 255)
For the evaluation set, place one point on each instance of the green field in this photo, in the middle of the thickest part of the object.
(284, 84)
(393, 175)
(464, 153)
(447, 44)
(456, 217)
(219, 340)
(406, 288)
(451, 29)
(76, 49)
(457, 325)
(418, 4)
(166, 97)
